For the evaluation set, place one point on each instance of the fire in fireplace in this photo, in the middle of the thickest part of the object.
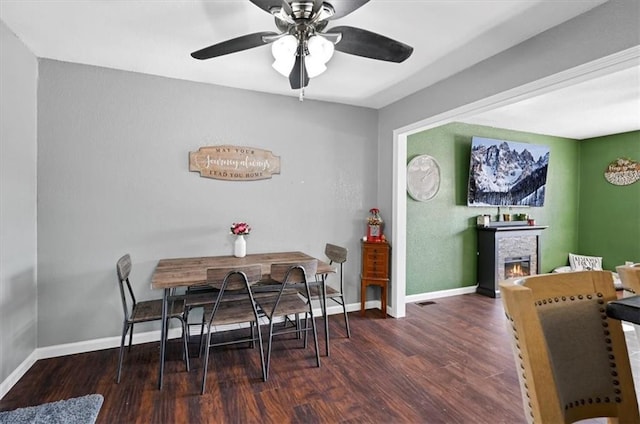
(519, 266)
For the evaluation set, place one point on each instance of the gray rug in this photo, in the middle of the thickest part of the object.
(81, 410)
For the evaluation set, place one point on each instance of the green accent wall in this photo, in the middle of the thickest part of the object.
(609, 218)
(441, 233)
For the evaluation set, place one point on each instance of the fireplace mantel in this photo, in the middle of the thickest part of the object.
(514, 228)
(495, 243)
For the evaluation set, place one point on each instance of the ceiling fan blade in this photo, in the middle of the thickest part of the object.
(244, 42)
(286, 8)
(344, 7)
(266, 5)
(317, 4)
(360, 42)
(298, 77)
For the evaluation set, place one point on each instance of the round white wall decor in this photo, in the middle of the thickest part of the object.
(423, 178)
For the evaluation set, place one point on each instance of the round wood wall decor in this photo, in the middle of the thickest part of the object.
(622, 172)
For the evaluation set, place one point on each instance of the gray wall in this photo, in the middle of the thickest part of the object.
(113, 178)
(18, 156)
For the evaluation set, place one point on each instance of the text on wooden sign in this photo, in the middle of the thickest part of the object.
(234, 163)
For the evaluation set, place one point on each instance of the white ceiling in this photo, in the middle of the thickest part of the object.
(608, 104)
(156, 37)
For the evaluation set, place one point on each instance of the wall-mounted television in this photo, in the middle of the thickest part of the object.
(507, 173)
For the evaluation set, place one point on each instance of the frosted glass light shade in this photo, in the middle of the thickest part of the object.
(284, 66)
(284, 51)
(314, 66)
(284, 47)
(320, 48)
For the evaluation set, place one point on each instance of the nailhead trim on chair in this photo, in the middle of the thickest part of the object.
(524, 375)
(607, 339)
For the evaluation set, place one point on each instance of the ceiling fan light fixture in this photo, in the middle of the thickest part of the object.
(284, 52)
(284, 47)
(301, 48)
(320, 48)
(314, 66)
(284, 65)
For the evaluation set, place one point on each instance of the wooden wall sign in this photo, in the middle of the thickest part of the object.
(622, 172)
(234, 163)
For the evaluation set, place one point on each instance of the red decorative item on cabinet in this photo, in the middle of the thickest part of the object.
(374, 226)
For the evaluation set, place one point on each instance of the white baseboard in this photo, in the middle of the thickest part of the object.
(154, 336)
(174, 332)
(17, 374)
(100, 344)
(438, 294)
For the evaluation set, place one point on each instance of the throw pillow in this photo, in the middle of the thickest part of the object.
(585, 263)
(562, 269)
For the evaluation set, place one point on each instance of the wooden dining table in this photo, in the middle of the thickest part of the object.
(187, 272)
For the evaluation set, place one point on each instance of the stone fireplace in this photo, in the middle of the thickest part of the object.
(506, 251)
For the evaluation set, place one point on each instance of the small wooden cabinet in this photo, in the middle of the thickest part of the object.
(375, 272)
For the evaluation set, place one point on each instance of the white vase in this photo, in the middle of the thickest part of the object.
(240, 247)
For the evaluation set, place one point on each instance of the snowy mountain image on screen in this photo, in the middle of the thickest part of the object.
(506, 173)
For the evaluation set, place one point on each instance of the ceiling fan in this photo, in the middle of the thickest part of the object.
(304, 45)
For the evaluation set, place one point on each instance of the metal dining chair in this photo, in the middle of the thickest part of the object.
(338, 255)
(232, 303)
(197, 297)
(144, 311)
(286, 302)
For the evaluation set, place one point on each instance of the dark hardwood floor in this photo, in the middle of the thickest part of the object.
(449, 361)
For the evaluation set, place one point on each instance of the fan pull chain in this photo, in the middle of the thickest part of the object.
(301, 96)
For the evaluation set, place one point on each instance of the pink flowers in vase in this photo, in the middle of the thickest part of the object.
(240, 228)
